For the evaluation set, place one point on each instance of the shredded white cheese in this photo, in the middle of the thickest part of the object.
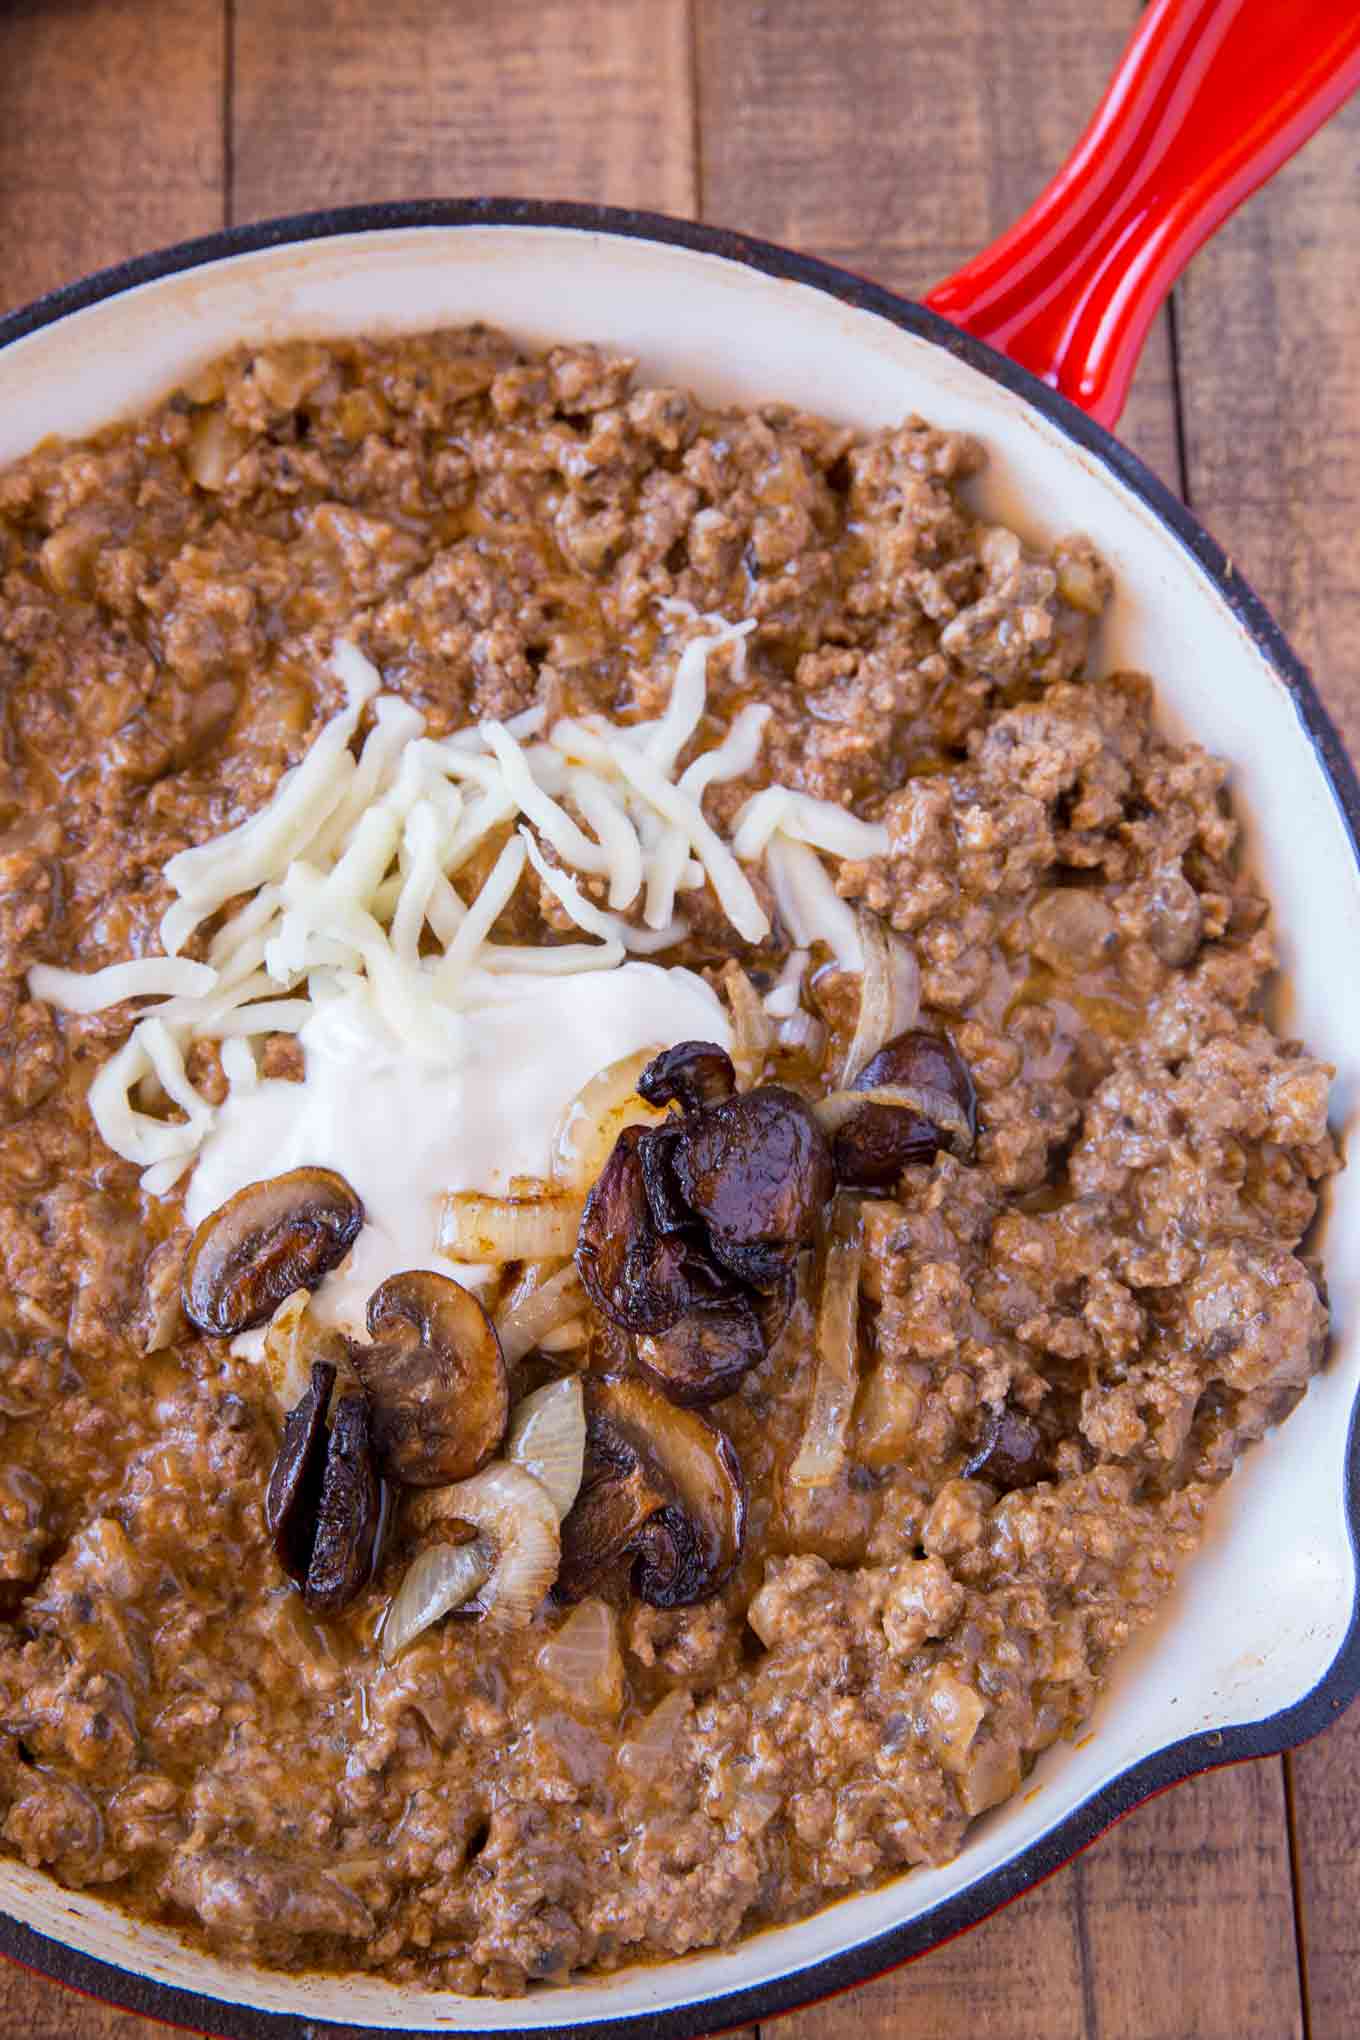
(809, 905)
(784, 998)
(147, 977)
(819, 822)
(344, 883)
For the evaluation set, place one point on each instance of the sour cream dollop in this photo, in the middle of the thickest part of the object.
(403, 1131)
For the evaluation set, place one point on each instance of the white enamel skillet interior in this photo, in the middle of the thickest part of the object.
(1260, 1645)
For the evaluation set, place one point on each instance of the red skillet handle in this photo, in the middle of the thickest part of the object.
(1208, 99)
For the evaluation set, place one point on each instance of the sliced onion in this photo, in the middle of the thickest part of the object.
(803, 1034)
(547, 1437)
(906, 985)
(875, 996)
(565, 1338)
(215, 445)
(938, 1107)
(284, 1355)
(292, 1340)
(752, 1031)
(755, 1810)
(516, 1515)
(595, 1118)
(890, 993)
(473, 1227)
(652, 1748)
(443, 1577)
(835, 1375)
(583, 1660)
(532, 1315)
(529, 1277)
(954, 1714)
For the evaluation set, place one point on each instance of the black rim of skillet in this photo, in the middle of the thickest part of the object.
(1338, 1685)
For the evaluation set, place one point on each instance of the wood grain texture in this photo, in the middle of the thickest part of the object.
(33, 2009)
(541, 98)
(1178, 1925)
(897, 149)
(1272, 418)
(1326, 1796)
(1016, 1977)
(110, 133)
(1188, 1916)
(904, 147)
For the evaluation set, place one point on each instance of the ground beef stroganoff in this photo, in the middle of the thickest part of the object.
(961, 1422)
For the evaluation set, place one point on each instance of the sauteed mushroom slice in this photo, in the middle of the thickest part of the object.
(436, 1377)
(1012, 1452)
(324, 1501)
(641, 1279)
(294, 1492)
(703, 1356)
(622, 1491)
(876, 1141)
(756, 1172)
(774, 1307)
(663, 1488)
(656, 1149)
(347, 1518)
(691, 1075)
(271, 1238)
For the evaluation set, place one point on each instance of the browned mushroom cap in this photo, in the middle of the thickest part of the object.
(348, 1514)
(690, 1075)
(437, 1379)
(1012, 1452)
(704, 1355)
(294, 1492)
(265, 1242)
(640, 1278)
(663, 1488)
(871, 1150)
(755, 1171)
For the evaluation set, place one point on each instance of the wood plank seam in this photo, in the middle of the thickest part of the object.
(1081, 1920)
(1291, 1821)
(228, 112)
(696, 115)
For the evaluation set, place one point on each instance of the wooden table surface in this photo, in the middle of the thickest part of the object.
(895, 136)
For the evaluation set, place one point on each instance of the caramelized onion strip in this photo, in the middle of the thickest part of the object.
(473, 1227)
(529, 1319)
(835, 1378)
(890, 993)
(594, 1119)
(440, 1578)
(547, 1437)
(752, 1030)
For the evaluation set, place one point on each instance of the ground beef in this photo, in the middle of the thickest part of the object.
(1118, 1263)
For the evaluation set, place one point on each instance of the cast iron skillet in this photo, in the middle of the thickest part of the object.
(1208, 99)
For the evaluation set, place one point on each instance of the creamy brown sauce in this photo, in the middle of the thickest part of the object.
(1120, 1261)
